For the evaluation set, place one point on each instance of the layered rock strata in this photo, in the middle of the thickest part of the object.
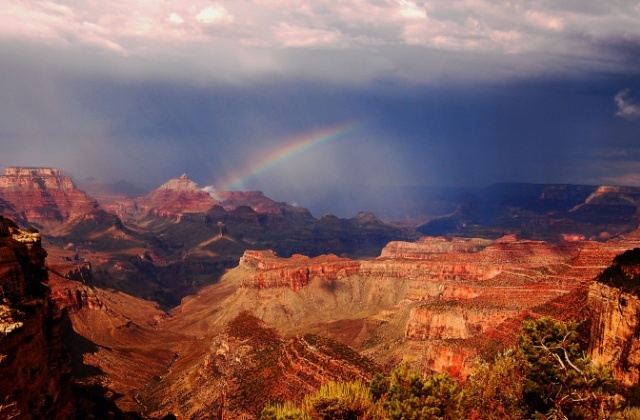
(294, 272)
(446, 291)
(34, 372)
(43, 195)
(247, 366)
(615, 330)
(614, 300)
(175, 197)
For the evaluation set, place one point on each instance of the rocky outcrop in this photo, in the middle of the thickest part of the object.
(448, 320)
(34, 373)
(175, 197)
(615, 331)
(43, 195)
(248, 366)
(425, 246)
(70, 289)
(294, 272)
(614, 299)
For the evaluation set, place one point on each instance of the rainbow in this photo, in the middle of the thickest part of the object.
(293, 148)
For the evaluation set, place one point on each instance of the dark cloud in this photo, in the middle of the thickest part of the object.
(470, 94)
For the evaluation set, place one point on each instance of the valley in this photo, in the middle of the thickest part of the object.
(199, 305)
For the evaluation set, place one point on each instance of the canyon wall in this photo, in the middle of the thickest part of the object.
(614, 301)
(615, 333)
(449, 295)
(43, 195)
(34, 373)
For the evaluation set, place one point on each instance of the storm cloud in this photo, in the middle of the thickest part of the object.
(448, 93)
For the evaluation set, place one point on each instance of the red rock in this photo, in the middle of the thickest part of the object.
(43, 195)
(35, 373)
(259, 203)
(456, 289)
(295, 272)
(176, 196)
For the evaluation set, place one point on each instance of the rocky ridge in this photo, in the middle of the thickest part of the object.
(34, 372)
(537, 211)
(249, 365)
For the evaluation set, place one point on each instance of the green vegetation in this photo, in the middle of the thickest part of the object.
(495, 390)
(547, 376)
(559, 379)
(335, 400)
(623, 272)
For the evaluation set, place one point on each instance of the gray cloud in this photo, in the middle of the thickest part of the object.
(628, 106)
(454, 93)
(236, 42)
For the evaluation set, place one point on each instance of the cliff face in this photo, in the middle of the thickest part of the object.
(43, 195)
(615, 331)
(436, 261)
(295, 272)
(614, 299)
(427, 246)
(34, 374)
(453, 296)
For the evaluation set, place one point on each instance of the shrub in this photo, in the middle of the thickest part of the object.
(339, 400)
(495, 390)
(408, 396)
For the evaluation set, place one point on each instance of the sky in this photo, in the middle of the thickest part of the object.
(309, 101)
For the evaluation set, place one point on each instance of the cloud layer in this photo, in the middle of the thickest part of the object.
(411, 40)
(458, 93)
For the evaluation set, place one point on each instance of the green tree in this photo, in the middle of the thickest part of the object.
(408, 396)
(560, 381)
(494, 391)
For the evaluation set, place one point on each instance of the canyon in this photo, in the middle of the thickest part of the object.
(200, 305)
(171, 242)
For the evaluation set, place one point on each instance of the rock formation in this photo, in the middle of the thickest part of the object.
(614, 299)
(294, 272)
(175, 197)
(247, 366)
(43, 195)
(441, 301)
(34, 372)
